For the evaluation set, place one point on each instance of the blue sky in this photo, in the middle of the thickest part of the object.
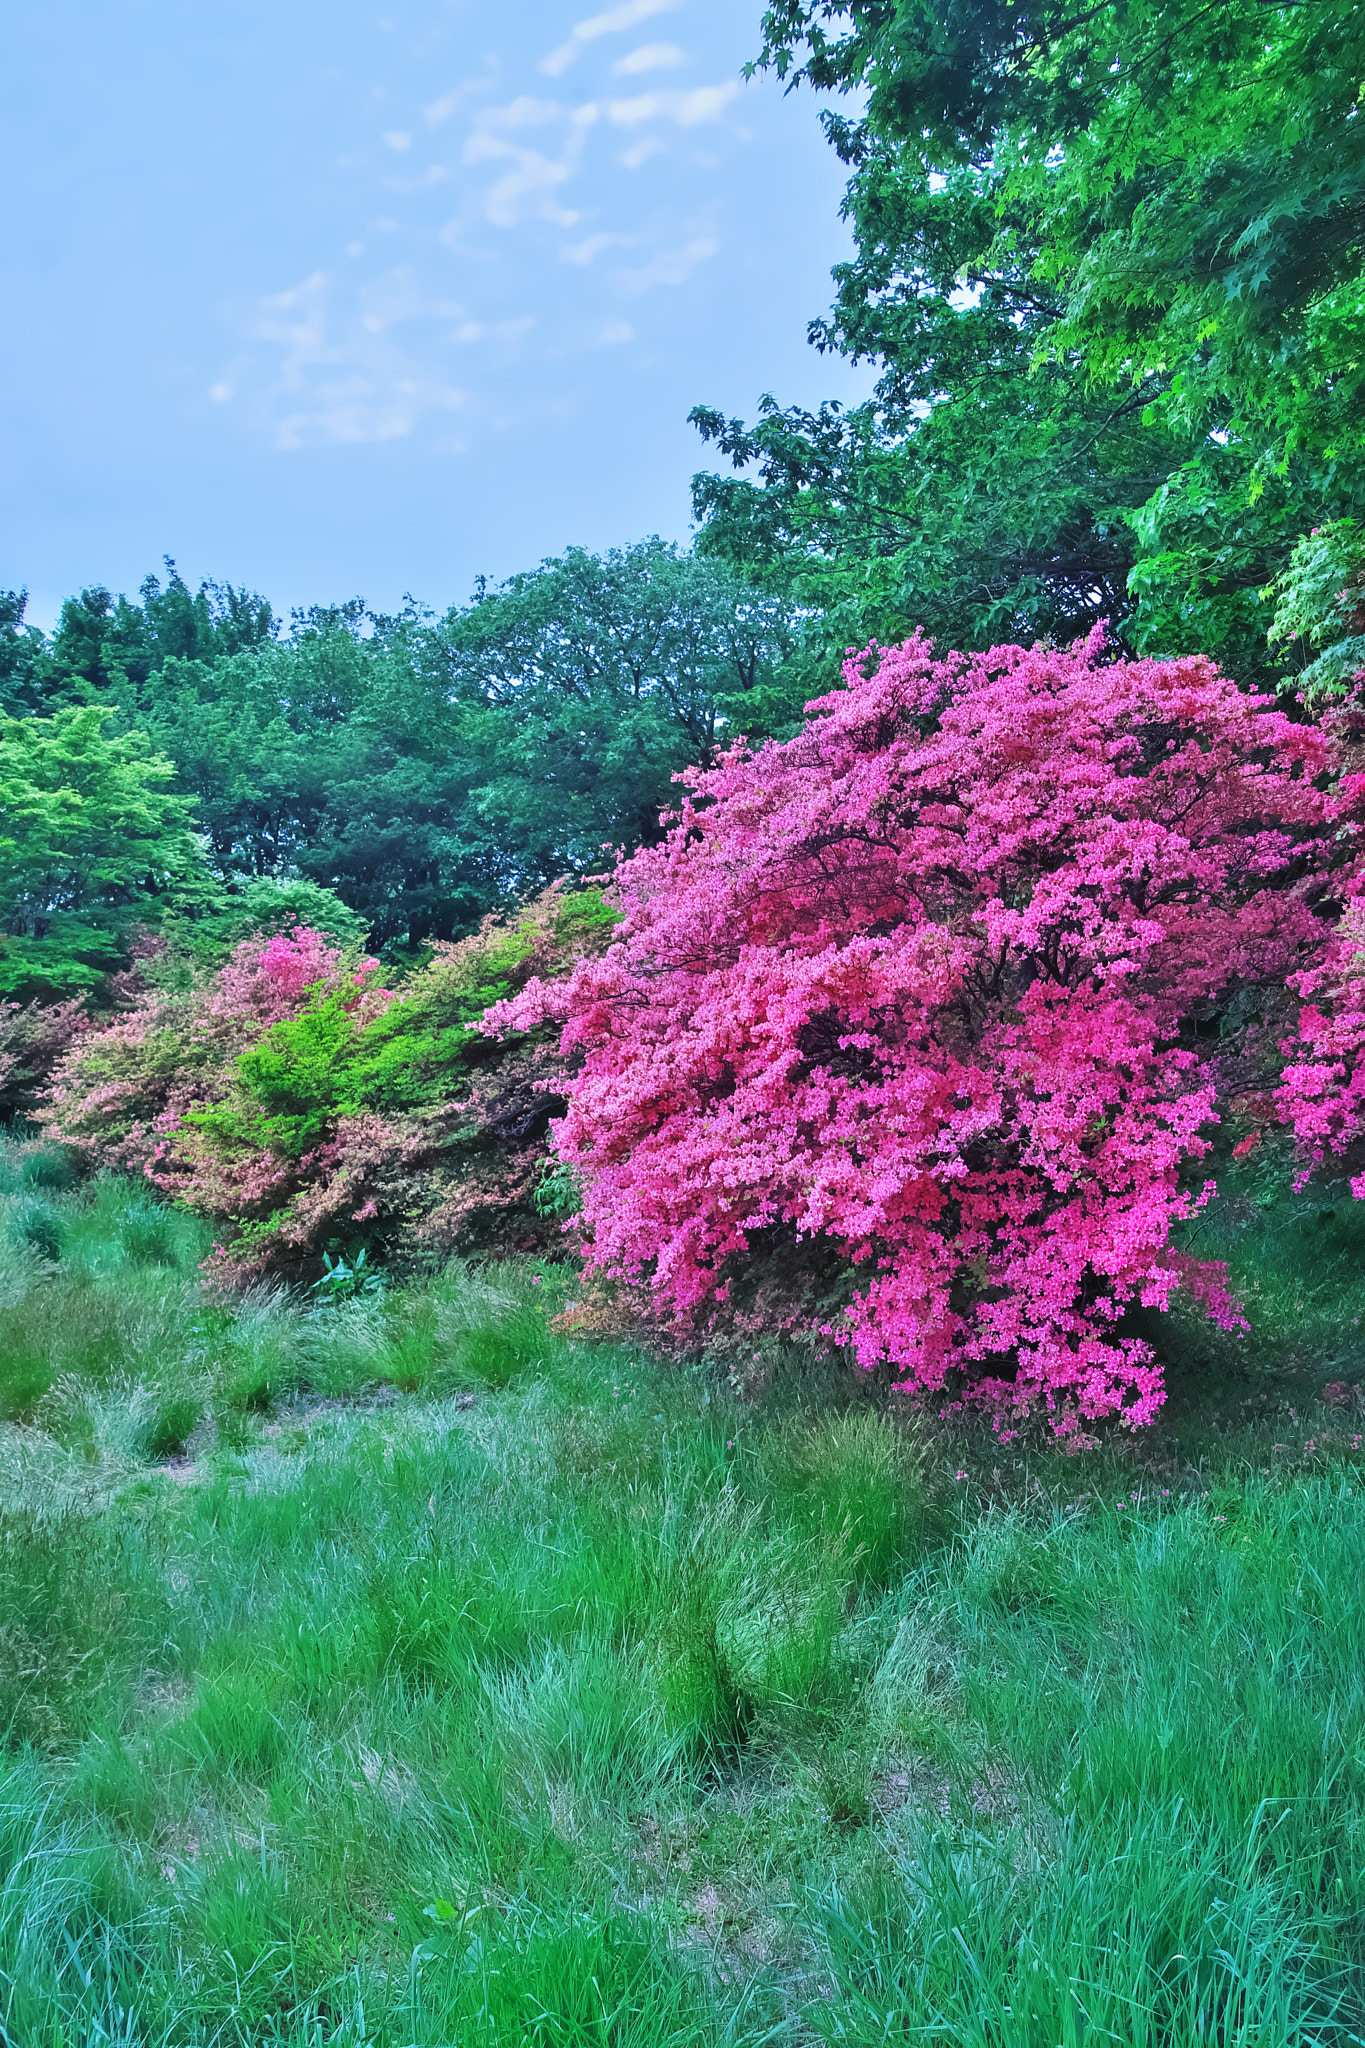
(328, 298)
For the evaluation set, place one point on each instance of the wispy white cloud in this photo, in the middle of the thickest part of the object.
(434, 174)
(351, 355)
(687, 109)
(611, 22)
(391, 300)
(625, 15)
(450, 102)
(670, 266)
(649, 57)
(528, 189)
(340, 378)
(640, 152)
(522, 112)
(494, 330)
(531, 186)
(388, 301)
(591, 247)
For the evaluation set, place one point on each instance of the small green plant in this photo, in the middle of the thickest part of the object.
(558, 1192)
(176, 1420)
(841, 1786)
(340, 1282)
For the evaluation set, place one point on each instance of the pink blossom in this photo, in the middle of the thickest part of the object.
(272, 981)
(917, 984)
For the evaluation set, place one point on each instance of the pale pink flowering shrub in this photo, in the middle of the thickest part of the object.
(120, 1091)
(272, 981)
(921, 989)
(303, 1107)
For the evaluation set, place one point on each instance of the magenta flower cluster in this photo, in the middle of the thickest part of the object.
(921, 987)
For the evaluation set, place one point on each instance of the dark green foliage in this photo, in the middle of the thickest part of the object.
(1109, 264)
(263, 904)
(1001, 514)
(22, 648)
(1298, 1264)
(342, 1282)
(39, 1165)
(107, 649)
(1321, 610)
(38, 1225)
(422, 770)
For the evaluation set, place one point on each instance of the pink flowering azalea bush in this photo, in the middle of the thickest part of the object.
(927, 992)
(1322, 1090)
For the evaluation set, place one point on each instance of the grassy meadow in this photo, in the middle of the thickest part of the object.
(400, 1671)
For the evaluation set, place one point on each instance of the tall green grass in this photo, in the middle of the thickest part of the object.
(431, 1678)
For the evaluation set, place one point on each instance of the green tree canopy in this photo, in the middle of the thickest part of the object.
(1109, 259)
(22, 652)
(585, 685)
(92, 841)
(106, 649)
(429, 769)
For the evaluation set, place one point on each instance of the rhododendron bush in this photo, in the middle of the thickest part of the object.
(123, 1087)
(33, 1038)
(303, 1106)
(1322, 1091)
(944, 988)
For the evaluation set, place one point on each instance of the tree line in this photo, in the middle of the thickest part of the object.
(190, 760)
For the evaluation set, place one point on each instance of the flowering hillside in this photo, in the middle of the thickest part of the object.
(919, 1006)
